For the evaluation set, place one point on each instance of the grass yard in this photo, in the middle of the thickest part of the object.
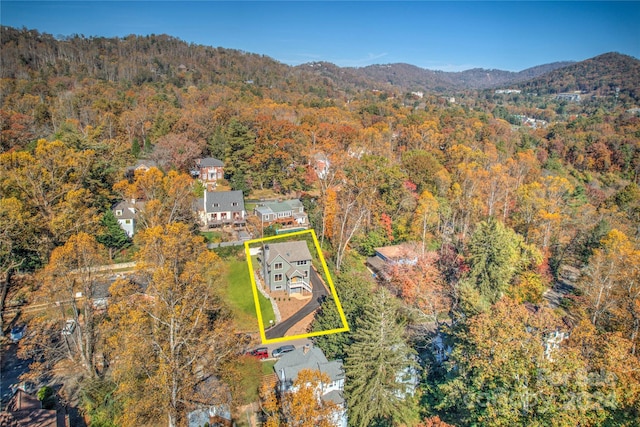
(267, 367)
(240, 296)
(211, 236)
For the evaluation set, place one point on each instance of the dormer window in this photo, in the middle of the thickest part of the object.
(234, 204)
(216, 205)
(118, 212)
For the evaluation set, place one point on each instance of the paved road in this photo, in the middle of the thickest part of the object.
(319, 293)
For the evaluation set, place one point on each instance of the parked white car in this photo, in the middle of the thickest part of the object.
(69, 327)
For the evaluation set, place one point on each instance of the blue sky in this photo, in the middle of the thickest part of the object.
(448, 36)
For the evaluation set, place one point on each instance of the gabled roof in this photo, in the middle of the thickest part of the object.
(210, 162)
(126, 208)
(145, 163)
(275, 207)
(289, 251)
(225, 200)
(292, 363)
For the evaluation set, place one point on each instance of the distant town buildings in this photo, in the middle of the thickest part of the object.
(507, 91)
(569, 97)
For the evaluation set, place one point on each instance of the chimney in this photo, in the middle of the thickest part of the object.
(306, 348)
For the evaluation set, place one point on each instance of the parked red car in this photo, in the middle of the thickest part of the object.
(260, 353)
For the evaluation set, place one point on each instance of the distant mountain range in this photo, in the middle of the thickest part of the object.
(140, 59)
(410, 77)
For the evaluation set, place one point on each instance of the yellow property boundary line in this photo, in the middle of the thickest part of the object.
(344, 328)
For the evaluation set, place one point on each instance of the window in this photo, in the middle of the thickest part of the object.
(234, 204)
(118, 212)
(216, 205)
(277, 277)
(306, 273)
(278, 266)
(127, 221)
(301, 262)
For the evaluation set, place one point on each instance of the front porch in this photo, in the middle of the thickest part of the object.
(298, 285)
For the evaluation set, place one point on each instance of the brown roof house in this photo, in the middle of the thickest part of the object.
(25, 410)
(387, 256)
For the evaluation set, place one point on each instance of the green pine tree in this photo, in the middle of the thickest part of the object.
(493, 258)
(113, 236)
(379, 366)
(354, 291)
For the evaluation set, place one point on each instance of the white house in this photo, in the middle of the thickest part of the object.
(219, 208)
(309, 357)
(126, 213)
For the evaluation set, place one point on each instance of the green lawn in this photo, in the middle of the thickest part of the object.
(267, 367)
(212, 236)
(240, 296)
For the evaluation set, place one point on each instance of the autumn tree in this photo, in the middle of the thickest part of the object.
(504, 371)
(175, 151)
(303, 405)
(169, 343)
(16, 246)
(167, 198)
(421, 287)
(379, 366)
(425, 217)
(611, 286)
(72, 281)
(50, 183)
(614, 371)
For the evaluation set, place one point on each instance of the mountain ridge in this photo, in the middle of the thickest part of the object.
(151, 58)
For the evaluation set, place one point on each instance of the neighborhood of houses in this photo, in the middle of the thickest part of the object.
(284, 267)
(221, 209)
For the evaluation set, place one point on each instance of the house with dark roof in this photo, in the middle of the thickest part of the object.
(208, 171)
(312, 358)
(219, 208)
(286, 267)
(286, 212)
(126, 212)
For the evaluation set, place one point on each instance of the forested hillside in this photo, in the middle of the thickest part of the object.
(599, 76)
(523, 305)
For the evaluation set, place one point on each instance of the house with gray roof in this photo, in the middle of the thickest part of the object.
(310, 357)
(126, 212)
(286, 267)
(286, 212)
(218, 208)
